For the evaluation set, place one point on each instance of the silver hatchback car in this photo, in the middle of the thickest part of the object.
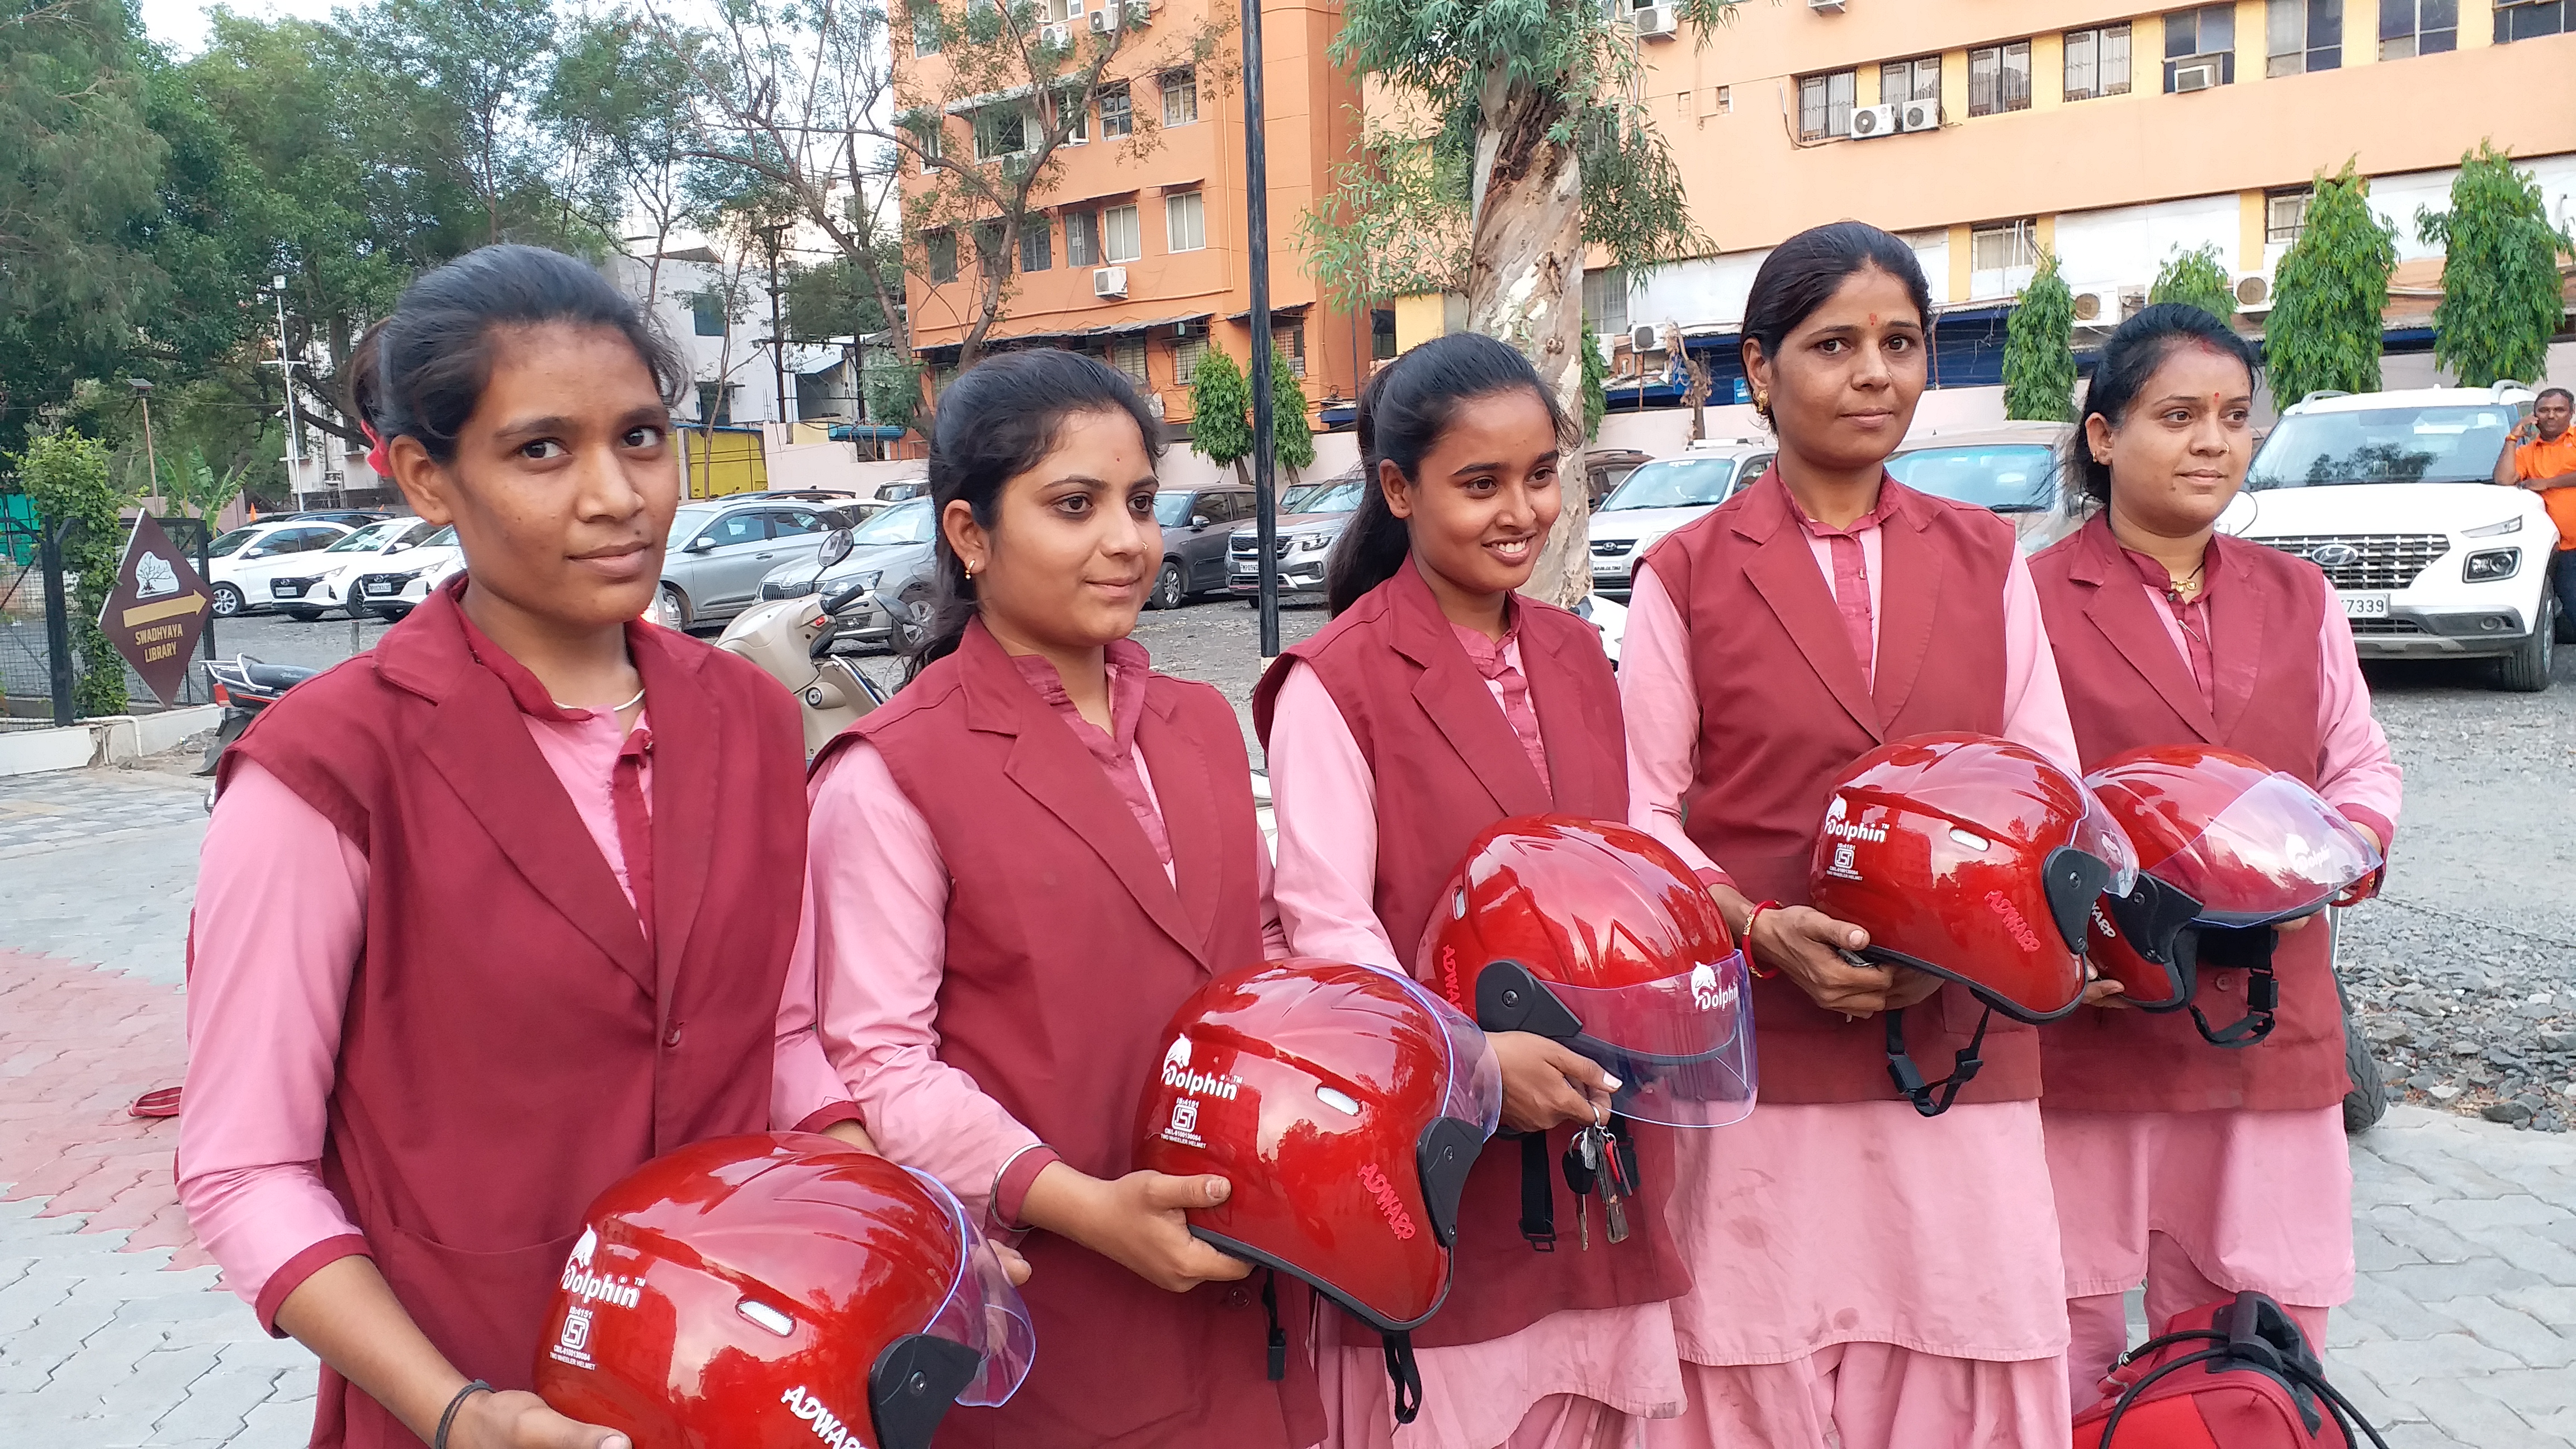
(720, 548)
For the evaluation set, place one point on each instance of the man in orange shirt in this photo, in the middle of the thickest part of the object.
(2546, 464)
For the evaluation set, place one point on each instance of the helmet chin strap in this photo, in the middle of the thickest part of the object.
(2248, 950)
(1933, 1098)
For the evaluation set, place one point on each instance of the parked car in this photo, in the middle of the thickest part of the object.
(240, 564)
(2011, 468)
(891, 554)
(402, 581)
(1604, 469)
(721, 548)
(1664, 495)
(1198, 528)
(306, 594)
(1310, 518)
(353, 517)
(2384, 491)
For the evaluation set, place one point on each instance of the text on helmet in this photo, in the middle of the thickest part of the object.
(1387, 1202)
(827, 1425)
(2014, 925)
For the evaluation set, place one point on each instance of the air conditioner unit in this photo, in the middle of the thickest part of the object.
(2097, 306)
(1642, 338)
(2253, 292)
(2195, 77)
(1919, 116)
(1105, 19)
(1059, 37)
(1871, 122)
(1656, 22)
(1109, 282)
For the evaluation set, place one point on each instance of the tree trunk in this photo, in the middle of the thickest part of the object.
(1525, 286)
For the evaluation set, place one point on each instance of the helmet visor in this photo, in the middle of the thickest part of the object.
(1475, 1074)
(2276, 852)
(983, 1311)
(2100, 836)
(1681, 1047)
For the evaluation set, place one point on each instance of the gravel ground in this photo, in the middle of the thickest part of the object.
(2464, 972)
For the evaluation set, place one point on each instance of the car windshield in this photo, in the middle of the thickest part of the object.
(686, 523)
(371, 537)
(2384, 445)
(1322, 498)
(1674, 483)
(2005, 477)
(444, 538)
(1172, 510)
(231, 542)
(903, 523)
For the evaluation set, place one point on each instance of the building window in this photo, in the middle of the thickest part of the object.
(1381, 333)
(1127, 354)
(942, 249)
(1186, 355)
(2523, 19)
(2001, 258)
(1292, 342)
(2409, 28)
(928, 132)
(707, 314)
(1000, 131)
(2285, 215)
(2200, 46)
(1726, 100)
(1900, 81)
(1117, 112)
(715, 402)
(1180, 97)
(1824, 106)
(1037, 244)
(1081, 239)
(1605, 301)
(2097, 62)
(1122, 235)
(1185, 222)
(1999, 79)
(2301, 36)
(925, 28)
(1077, 130)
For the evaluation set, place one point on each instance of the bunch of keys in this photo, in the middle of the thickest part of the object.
(1602, 1161)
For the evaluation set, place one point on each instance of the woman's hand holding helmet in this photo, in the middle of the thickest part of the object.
(1135, 1221)
(514, 1419)
(1808, 947)
(1547, 1084)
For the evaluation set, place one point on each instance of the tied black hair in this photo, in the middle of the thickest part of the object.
(1804, 272)
(2129, 361)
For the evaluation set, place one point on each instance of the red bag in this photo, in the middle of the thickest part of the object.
(2235, 1374)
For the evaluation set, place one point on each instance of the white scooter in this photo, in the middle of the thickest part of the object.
(791, 640)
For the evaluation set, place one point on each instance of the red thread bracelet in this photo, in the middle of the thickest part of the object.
(1751, 964)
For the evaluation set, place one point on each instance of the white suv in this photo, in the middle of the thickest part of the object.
(2391, 494)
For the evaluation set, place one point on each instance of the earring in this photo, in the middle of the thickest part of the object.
(1761, 401)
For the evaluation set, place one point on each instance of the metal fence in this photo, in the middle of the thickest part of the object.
(28, 638)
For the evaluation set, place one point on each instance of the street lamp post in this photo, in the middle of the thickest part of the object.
(1265, 463)
(151, 460)
(286, 374)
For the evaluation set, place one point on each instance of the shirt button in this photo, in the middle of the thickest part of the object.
(671, 1038)
(1237, 1298)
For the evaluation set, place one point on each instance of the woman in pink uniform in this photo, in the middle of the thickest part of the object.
(1436, 703)
(2200, 1171)
(495, 912)
(1860, 1275)
(1021, 866)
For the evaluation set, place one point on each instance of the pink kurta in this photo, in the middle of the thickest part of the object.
(2242, 1200)
(1528, 1389)
(280, 926)
(880, 898)
(1814, 1229)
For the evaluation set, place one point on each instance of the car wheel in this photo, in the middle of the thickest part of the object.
(913, 613)
(228, 601)
(1167, 587)
(304, 616)
(675, 608)
(2526, 669)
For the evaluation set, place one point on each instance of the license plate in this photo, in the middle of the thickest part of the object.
(2365, 606)
(285, 591)
(381, 586)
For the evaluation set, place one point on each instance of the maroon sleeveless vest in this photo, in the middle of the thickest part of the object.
(1068, 952)
(512, 1043)
(1447, 765)
(1783, 710)
(2127, 686)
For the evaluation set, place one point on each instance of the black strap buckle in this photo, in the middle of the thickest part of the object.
(1538, 1194)
(1931, 1099)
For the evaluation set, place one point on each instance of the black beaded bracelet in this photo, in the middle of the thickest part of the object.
(447, 1420)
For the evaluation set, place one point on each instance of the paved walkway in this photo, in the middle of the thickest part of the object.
(114, 1330)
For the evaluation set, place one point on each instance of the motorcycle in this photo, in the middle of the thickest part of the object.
(792, 642)
(243, 686)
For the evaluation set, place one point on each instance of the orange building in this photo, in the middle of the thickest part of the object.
(1135, 245)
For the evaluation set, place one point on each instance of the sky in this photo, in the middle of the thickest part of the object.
(181, 24)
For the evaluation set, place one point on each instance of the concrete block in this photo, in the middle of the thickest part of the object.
(2549, 1303)
(2519, 1334)
(2476, 1215)
(30, 752)
(2460, 1410)
(2374, 1251)
(215, 1405)
(2434, 1282)
(2443, 1356)
(2531, 1393)
(278, 1424)
(2410, 1229)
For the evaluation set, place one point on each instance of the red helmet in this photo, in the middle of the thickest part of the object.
(2248, 845)
(1345, 1104)
(1972, 858)
(769, 1290)
(1596, 934)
